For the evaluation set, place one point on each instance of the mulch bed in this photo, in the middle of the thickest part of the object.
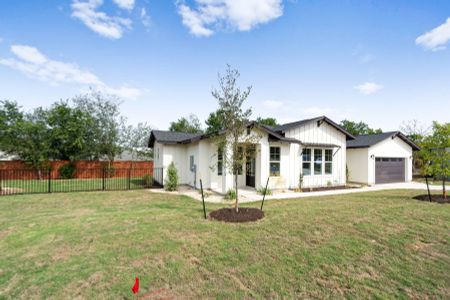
(245, 214)
(434, 198)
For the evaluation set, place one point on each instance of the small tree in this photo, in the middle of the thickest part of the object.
(171, 183)
(436, 154)
(234, 142)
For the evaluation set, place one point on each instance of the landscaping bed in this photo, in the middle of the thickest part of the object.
(330, 188)
(434, 198)
(244, 214)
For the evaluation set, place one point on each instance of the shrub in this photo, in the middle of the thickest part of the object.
(263, 189)
(148, 180)
(67, 171)
(171, 183)
(231, 194)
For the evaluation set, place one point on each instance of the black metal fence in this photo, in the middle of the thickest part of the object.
(25, 181)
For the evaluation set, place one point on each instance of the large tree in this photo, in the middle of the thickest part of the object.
(358, 128)
(189, 124)
(69, 129)
(104, 138)
(417, 132)
(234, 143)
(436, 154)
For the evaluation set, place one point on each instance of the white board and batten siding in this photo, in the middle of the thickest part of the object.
(323, 134)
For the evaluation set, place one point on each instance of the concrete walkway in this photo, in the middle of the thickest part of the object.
(250, 195)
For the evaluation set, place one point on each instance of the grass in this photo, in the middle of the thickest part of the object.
(92, 245)
(66, 185)
(431, 181)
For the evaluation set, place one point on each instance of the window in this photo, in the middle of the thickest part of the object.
(328, 162)
(220, 162)
(191, 163)
(274, 165)
(306, 158)
(157, 153)
(318, 161)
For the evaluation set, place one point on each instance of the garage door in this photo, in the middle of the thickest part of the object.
(389, 169)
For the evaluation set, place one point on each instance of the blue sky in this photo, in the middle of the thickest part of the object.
(382, 62)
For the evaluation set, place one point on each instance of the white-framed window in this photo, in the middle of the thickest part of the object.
(274, 164)
(157, 153)
(317, 161)
(220, 162)
(306, 164)
(328, 162)
(191, 163)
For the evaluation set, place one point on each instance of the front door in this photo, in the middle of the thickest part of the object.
(250, 171)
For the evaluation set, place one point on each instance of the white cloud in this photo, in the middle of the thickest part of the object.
(210, 15)
(125, 4)
(437, 38)
(97, 21)
(145, 18)
(368, 88)
(34, 64)
(270, 104)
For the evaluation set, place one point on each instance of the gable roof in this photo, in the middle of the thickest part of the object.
(170, 137)
(275, 133)
(368, 140)
(283, 128)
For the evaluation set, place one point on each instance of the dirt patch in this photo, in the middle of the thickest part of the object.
(245, 214)
(434, 198)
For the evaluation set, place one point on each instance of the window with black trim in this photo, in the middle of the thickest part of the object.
(274, 164)
(220, 162)
(306, 161)
(328, 162)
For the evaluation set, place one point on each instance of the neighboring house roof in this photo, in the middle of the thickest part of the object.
(275, 133)
(283, 128)
(368, 140)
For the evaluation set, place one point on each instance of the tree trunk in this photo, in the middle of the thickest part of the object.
(444, 191)
(236, 204)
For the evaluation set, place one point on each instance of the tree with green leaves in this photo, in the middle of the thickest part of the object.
(417, 132)
(358, 128)
(267, 121)
(214, 123)
(135, 141)
(69, 129)
(171, 183)
(436, 154)
(233, 142)
(190, 124)
(104, 136)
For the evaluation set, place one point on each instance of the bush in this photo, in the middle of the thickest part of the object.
(67, 171)
(262, 190)
(171, 183)
(148, 180)
(231, 194)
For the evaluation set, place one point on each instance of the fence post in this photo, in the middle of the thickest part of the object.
(129, 179)
(103, 178)
(1, 184)
(49, 180)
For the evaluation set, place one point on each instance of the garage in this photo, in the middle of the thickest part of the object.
(389, 170)
(380, 158)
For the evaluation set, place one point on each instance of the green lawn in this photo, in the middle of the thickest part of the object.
(92, 245)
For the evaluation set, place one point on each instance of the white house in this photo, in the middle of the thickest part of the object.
(380, 158)
(315, 148)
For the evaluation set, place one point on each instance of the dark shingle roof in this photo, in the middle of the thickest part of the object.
(368, 140)
(171, 137)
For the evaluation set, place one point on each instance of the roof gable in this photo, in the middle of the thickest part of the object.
(368, 140)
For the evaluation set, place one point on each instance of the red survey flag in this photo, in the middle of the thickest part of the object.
(135, 288)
